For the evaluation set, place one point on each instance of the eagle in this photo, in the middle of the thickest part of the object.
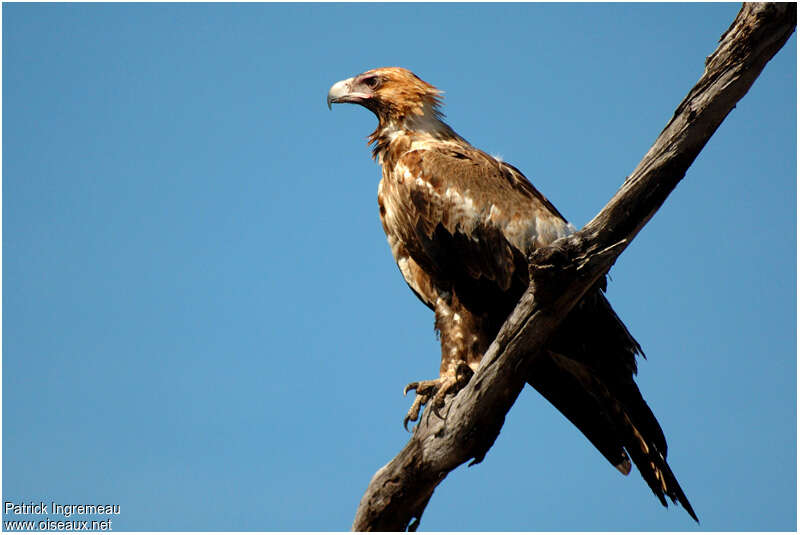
(461, 224)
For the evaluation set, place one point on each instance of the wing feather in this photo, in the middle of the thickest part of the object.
(475, 216)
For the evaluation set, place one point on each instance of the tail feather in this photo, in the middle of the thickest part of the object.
(587, 374)
(657, 473)
(567, 391)
(606, 420)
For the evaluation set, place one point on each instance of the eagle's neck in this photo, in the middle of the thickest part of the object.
(393, 128)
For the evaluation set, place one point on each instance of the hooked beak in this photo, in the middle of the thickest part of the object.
(342, 91)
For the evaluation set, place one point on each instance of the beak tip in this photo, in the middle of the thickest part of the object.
(338, 92)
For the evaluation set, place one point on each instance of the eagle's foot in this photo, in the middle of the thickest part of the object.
(435, 391)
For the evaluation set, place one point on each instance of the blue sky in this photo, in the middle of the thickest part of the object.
(202, 321)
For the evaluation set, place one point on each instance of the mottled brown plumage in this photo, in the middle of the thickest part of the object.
(461, 224)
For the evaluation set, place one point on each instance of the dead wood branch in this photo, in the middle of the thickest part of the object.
(561, 274)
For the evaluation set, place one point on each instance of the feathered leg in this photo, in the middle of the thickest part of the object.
(463, 345)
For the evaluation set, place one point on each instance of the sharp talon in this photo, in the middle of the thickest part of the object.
(435, 391)
(410, 386)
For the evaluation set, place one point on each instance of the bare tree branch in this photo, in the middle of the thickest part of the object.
(562, 273)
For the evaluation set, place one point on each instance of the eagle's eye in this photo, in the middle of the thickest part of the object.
(371, 82)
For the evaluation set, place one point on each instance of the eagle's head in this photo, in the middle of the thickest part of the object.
(393, 94)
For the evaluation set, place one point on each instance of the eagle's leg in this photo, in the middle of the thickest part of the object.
(463, 346)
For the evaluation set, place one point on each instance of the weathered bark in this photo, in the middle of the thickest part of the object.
(561, 274)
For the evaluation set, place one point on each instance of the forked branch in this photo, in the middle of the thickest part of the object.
(562, 273)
